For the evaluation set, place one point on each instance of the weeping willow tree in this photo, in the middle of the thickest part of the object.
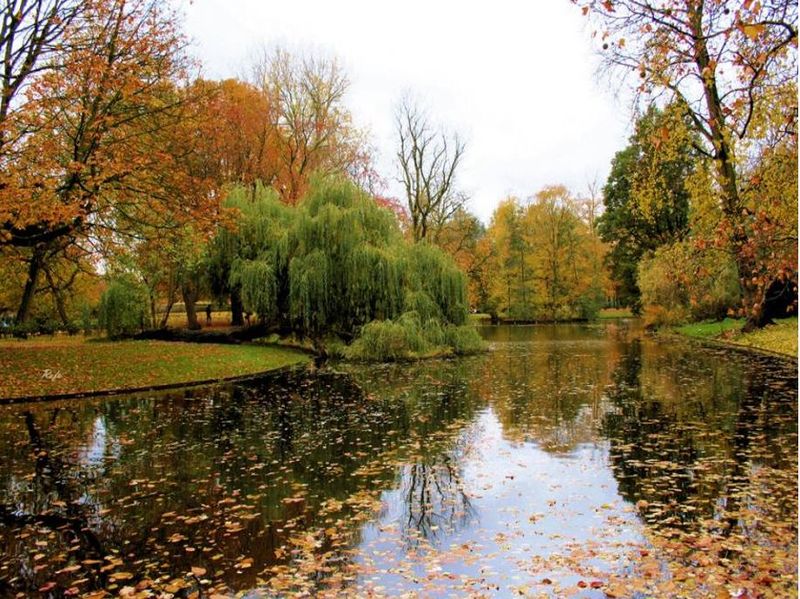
(247, 254)
(435, 287)
(345, 256)
(334, 263)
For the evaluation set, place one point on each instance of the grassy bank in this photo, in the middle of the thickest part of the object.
(60, 365)
(612, 313)
(780, 337)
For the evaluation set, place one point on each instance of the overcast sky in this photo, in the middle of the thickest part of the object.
(516, 79)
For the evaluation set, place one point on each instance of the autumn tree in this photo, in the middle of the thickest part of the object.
(646, 196)
(31, 33)
(239, 134)
(85, 157)
(546, 260)
(509, 251)
(722, 61)
(462, 237)
(68, 273)
(428, 160)
(313, 128)
(562, 256)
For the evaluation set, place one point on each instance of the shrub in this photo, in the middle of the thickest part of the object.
(680, 282)
(389, 340)
(464, 340)
(23, 329)
(408, 338)
(655, 316)
(123, 307)
(88, 323)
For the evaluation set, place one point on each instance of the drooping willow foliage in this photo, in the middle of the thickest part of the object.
(410, 337)
(251, 250)
(334, 263)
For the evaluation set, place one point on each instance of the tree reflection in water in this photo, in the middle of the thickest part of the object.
(705, 444)
(435, 501)
(543, 447)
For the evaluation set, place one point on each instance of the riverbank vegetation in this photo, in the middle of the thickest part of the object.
(134, 185)
(702, 205)
(780, 337)
(65, 365)
(261, 196)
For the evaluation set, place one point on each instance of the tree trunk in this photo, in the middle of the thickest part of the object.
(170, 303)
(57, 296)
(237, 309)
(189, 292)
(165, 318)
(34, 266)
(153, 316)
(725, 164)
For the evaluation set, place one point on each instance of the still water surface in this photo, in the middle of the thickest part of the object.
(565, 460)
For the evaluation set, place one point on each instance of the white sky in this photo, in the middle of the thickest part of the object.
(514, 78)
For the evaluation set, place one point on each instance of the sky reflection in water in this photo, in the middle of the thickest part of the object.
(542, 466)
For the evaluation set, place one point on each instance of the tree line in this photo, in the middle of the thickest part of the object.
(701, 207)
(130, 185)
(117, 157)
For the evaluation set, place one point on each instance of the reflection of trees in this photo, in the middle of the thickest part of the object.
(438, 402)
(51, 482)
(549, 387)
(434, 500)
(683, 429)
(650, 455)
(197, 453)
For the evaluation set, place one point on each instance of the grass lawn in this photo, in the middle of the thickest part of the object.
(479, 318)
(56, 365)
(219, 318)
(710, 329)
(780, 337)
(610, 313)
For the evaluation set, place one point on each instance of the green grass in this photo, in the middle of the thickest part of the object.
(780, 337)
(710, 329)
(610, 313)
(58, 365)
(479, 318)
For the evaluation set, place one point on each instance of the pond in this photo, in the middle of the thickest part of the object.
(570, 460)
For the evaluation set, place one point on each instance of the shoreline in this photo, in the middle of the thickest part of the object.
(66, 368)
(725, 344)
(5, 401)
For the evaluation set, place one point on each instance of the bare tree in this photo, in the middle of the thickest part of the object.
(428, 160)
(307, 92)
(30, 32)
(590, 207)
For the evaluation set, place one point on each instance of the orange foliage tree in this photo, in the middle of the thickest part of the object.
(86, 148)
(463, 237)
(725, 61)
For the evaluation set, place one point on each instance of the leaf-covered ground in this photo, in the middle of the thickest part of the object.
(57, 365)
(780, 337)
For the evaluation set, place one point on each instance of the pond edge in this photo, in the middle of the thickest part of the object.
(737, 347)
(162, 387)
